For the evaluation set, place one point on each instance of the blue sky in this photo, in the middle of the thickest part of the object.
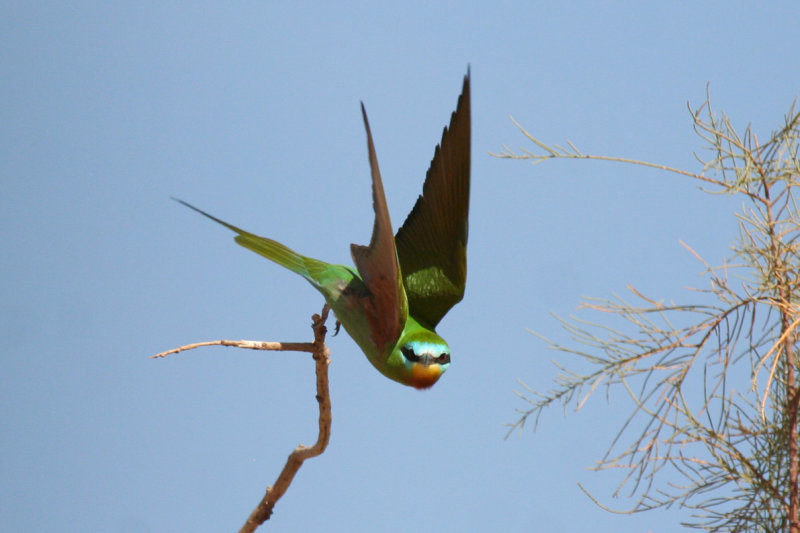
(250, 111)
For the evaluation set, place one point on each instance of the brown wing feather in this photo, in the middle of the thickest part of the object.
(377, 263)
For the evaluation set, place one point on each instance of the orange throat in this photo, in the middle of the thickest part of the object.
(423, 377)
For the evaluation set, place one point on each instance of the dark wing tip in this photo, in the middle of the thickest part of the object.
(434, 236)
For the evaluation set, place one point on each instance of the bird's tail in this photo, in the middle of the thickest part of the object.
(272, 250)
(277, 252)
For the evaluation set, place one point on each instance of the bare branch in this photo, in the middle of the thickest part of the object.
(249, 345)
(263, 510)
(321, 355)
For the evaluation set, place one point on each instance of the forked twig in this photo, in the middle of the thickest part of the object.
(321, 355)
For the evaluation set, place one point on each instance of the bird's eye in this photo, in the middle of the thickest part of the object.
(425, 358)
(408, 351)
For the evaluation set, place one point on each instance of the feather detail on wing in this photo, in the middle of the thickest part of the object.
(378, 266)
(432, 243)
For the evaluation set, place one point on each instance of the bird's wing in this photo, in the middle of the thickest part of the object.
(386, 304)
(432, 243)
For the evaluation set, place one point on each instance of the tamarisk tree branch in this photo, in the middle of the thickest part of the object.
(321, 355)
(713, 384)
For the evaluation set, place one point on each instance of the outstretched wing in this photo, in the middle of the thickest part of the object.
(432, 243)
(386, 305)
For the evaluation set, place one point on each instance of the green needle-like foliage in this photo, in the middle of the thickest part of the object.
(714, 426)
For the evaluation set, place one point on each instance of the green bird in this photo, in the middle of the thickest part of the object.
(404, 284)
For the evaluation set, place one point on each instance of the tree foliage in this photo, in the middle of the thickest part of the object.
(714, 426)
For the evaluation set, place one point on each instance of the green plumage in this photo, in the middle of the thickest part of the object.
(403, 284)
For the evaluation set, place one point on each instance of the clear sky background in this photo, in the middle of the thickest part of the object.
(250, 111)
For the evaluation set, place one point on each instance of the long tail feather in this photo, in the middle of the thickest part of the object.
(272, 250)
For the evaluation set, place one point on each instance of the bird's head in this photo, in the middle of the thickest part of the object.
(420, 357)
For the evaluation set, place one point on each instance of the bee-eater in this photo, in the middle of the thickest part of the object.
(404, 284)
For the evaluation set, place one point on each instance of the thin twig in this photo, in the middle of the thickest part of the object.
(321, 355)
(660, 353)
(263, 510)
(249, 345)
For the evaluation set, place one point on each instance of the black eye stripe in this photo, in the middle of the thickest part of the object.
(408, 352)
